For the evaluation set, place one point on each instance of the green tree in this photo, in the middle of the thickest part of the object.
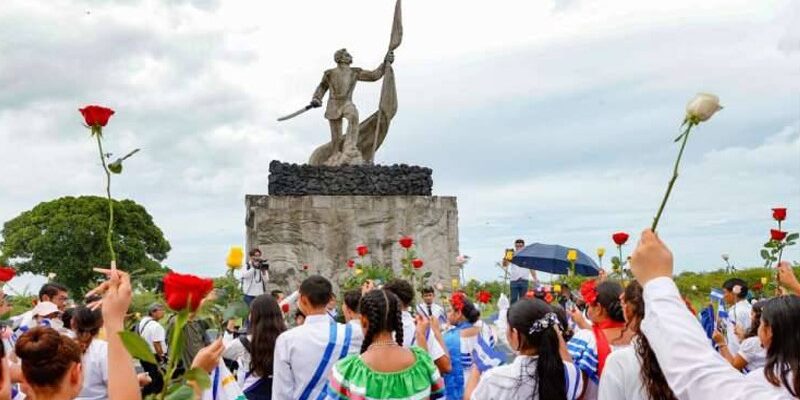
(67, 236)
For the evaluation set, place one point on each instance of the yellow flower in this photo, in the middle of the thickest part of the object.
(601, 251)
(557, 288)
(235, 257)
(572, 255)
(763, 280)
(358, 271)
(455, 283)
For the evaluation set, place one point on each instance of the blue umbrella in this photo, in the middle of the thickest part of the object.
(552, 258)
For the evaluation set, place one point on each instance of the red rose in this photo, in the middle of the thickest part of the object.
(417, 263)
(362, 250)
(351, 263)
(6, 273)
(457, 301)
(589, 291)
(530, 294)
(96, 115)
(406, 242)
(779, 214)
(548, 298)
(620, 238)
(305, 267)
(285, 308)
(777, 235)
(758, 286)
(180, 290)
(484, 297)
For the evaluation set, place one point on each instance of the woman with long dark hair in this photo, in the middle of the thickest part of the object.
(752, 354)
(254, 352)
(780, 324)
(633, 373)
(385, 369)
(538, 371)
(589, 348)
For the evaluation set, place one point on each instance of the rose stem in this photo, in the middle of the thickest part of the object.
(110, 203)
(674, 177)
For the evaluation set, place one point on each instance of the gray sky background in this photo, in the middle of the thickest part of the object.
(550, 120)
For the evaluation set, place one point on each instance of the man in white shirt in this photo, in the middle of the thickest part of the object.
(692, 368)
(352, 317)
(255, 277)
(154, 334)
(429, 308)
(434, 340)
(735, 296)
(518, 277)
(304, 355)
(49, 292)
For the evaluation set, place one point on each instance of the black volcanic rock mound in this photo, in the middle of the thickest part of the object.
(287, 179)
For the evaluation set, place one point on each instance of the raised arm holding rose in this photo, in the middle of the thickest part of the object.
(690, 365)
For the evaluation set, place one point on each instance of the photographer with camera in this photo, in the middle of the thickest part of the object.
(255, 277)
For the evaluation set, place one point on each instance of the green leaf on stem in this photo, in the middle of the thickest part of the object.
(764, 254)
(183, 393)
(792, 237)
(137, 346)
(427, 274)
(198, 375)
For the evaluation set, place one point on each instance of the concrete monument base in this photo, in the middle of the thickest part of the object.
(322, 232)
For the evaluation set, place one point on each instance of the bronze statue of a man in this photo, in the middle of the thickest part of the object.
(341, 81)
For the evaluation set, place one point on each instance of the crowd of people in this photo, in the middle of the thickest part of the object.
(609, 341)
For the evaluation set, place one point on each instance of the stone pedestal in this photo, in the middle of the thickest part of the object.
(323, 232)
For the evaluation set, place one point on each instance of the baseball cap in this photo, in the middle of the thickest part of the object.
(45, 308)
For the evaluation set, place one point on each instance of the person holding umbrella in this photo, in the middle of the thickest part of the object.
(519, 278)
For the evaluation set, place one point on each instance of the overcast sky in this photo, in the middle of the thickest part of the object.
(550, 120)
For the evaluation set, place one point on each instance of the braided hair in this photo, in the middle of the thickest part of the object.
(383, 312)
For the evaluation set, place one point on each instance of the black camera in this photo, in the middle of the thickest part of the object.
(261, 265)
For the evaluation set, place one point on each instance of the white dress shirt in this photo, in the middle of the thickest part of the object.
(358, 337)
(692, 368)
(751, 351)
(516, 273)
(513, 381)
(95, 371)
(436, 311)
(254, 281)
(298, 352)
(409, 337)
(739, 314)
(621, 378)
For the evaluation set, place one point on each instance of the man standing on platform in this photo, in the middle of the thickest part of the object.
(519, 277)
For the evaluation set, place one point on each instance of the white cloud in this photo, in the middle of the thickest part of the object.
(552, 113)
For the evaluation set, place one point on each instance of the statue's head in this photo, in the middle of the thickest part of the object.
(342, 56)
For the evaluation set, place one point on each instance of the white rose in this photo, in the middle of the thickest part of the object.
(702, 107)
(51, 275)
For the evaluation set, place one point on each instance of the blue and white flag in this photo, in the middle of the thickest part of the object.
(717, 295)
(485, 356)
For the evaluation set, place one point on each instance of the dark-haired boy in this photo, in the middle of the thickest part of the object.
(735, 296)
(304, 355)
(429, 308)
(434, 340)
